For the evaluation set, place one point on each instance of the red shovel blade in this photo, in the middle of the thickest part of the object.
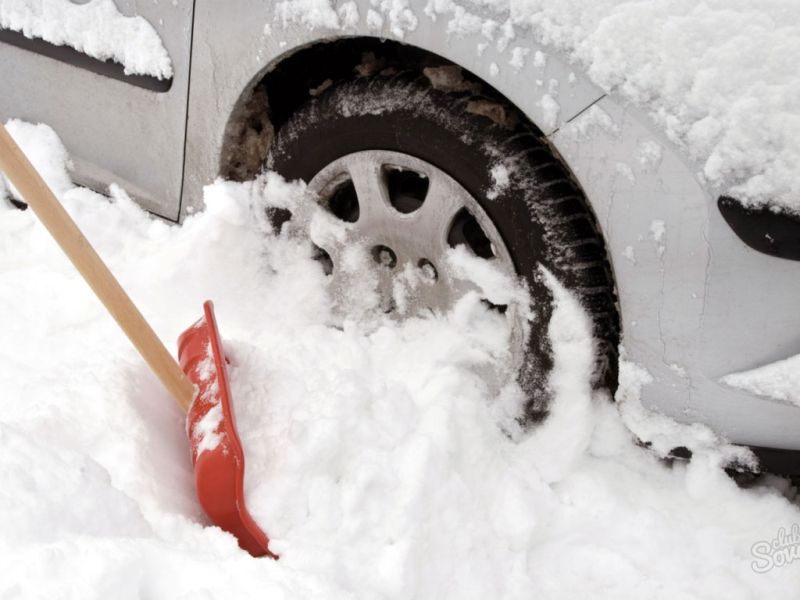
(216, 450)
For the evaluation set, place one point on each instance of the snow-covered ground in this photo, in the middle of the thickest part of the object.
(378, 461)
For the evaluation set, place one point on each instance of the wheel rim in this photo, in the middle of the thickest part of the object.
(405, 215)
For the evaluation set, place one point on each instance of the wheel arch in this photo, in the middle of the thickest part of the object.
(283, 85)
(291, 80)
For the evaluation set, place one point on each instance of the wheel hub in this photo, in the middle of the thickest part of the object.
(390, 225)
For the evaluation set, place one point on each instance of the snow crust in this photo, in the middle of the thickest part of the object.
(377, 459)
(96, 28)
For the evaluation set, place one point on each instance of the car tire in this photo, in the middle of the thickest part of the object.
(540, 212)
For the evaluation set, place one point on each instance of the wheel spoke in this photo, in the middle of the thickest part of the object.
(356, 284)
(373, 196)
(432, 221)
(388, 260)
(328, 232)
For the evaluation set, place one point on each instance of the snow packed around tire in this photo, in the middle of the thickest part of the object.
(539, 211)
(377, 460)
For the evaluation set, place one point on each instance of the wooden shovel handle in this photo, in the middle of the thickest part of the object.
(34, 190)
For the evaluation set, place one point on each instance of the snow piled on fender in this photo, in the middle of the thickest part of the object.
(719, 77)
(378, 460)
(96, 28)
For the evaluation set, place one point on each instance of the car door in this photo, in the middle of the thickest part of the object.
(117, 127)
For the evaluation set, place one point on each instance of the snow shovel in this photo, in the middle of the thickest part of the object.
(199, 383)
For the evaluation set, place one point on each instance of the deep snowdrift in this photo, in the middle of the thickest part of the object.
(379, 464)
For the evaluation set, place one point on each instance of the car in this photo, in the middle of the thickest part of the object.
(421, 139)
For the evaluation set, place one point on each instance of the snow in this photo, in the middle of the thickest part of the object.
(718, 77)
(518, 55)
(205, 434)
(377, 458)
(661, 433)
(348, 14)
(550, 111)
(624, 170)
(658, 230)
(779, 380)
(401, 18)
(649, 154)
(496, 286)
(45, 151)
(630, 254)
(311, 13)
(501, 178)
(96, 28)
(374, 20)
(593, 119)
(322, 13)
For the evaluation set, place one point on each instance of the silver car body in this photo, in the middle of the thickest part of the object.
(695, 302)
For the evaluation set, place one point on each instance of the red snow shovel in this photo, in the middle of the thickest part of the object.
(201, 388)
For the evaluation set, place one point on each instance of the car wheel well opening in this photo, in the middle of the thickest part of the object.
(294, 81)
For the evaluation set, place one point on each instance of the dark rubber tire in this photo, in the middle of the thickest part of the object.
(542, 215)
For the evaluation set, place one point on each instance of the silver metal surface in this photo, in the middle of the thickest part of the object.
(115, 132)
(407, 253)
